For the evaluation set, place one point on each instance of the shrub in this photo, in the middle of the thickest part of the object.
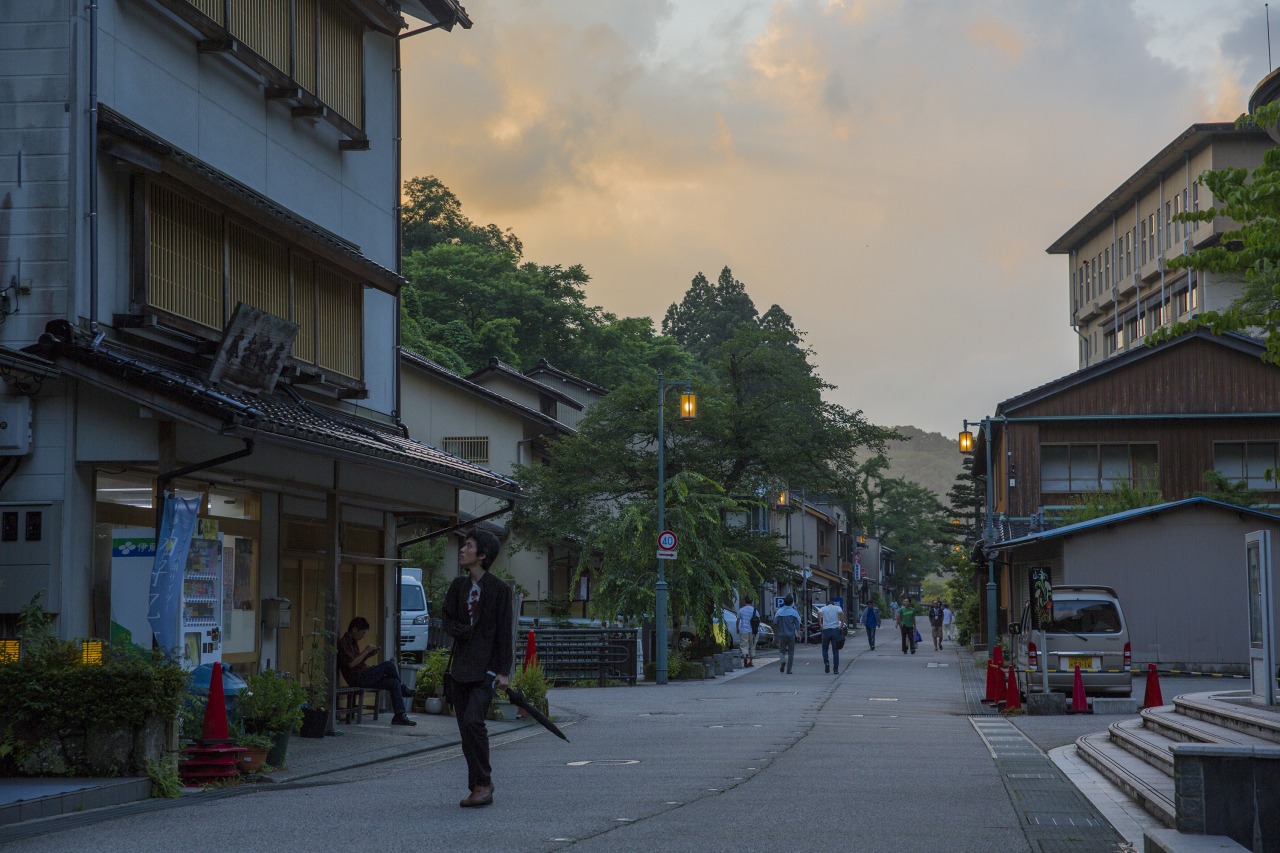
(271, 703)
(532, 682)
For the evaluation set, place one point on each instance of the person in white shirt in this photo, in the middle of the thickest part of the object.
(832, 618)
(948, 624)
(746, 634)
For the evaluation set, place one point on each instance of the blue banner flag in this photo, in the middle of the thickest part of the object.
(165, 599)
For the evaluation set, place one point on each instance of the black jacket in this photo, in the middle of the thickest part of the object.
(486, 646)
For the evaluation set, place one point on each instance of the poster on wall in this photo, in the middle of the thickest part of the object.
(1041, 597)
(133, 553)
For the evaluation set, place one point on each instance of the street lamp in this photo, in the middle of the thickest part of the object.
(988, 527)
(688, 411)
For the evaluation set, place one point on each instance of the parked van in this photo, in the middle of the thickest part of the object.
(1089, 630)
(414, 618)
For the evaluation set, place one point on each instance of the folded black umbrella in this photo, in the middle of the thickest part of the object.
(518, 699)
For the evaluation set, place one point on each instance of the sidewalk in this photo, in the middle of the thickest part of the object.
(23, 801)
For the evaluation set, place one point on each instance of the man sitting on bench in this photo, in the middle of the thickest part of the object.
(384, 676)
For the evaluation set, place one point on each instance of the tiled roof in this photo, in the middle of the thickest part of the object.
(500, 367)
(283, 414)
(439, 370)
(546, 367)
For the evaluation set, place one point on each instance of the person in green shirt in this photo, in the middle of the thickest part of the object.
(907, 624)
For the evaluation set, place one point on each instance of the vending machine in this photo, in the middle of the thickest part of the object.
(202, 603)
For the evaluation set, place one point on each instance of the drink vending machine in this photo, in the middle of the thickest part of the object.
(202, 602)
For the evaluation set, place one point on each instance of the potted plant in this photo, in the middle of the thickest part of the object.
(256, 749)
(271, 705)
(315, 716)
(431, 680)
(532, 682)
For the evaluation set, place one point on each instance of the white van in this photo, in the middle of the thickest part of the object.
(414, 618)
(1088, 630)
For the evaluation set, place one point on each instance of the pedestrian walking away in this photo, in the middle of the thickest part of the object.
(907, 625)
(786, 627)
(948, 623)
(748, 628)
(384, 676)
(477, 615)
(935, 623)
(870, 620)
(832, 620)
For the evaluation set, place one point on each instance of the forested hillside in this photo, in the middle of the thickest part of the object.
(928, 458)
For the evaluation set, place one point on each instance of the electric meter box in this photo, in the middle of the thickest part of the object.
(277, 613)
(15, 426)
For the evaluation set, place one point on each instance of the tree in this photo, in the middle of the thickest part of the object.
(1251, 251)
(709, 315)
(1219, 488)
(917, 526)
(1120, 497)
(431, 214)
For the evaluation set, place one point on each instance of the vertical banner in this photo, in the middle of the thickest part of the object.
(1041, 597)
(165, 598)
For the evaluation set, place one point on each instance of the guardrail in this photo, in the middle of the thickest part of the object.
(585, 654)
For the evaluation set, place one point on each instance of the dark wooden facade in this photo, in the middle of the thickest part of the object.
(1182, 396)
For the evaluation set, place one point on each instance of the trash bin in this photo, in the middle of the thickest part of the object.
(232, 686)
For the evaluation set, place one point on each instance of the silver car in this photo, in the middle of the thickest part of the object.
(1088, 630)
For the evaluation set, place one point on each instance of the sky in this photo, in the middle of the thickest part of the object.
(889, 172)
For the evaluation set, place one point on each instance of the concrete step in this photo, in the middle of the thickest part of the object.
(1149, 745)
(1140, 781)
(1171, 722)
(1233, 711)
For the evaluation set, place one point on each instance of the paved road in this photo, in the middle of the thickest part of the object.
(884, 755)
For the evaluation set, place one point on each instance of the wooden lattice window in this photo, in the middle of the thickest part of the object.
(338, 323)
(185, 259)
(474, 448)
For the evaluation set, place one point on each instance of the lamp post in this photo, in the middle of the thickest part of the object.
(688, 411)
(988, 526)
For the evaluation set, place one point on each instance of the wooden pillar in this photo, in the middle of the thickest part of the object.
(333, 554)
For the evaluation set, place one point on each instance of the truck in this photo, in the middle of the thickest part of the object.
(415, 618)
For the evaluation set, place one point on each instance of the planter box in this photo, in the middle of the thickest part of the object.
(409, 674)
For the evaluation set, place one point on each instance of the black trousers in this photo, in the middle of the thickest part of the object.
(471, 702)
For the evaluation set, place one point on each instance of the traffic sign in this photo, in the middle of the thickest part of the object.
(667, 541)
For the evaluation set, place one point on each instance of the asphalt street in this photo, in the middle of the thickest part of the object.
(884, 755)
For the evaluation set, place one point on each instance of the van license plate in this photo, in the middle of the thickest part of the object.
(1083, 663)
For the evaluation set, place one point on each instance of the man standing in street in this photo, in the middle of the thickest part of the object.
(748, 624)
(948, 623)
(935, 623)
(477, 614)
(786, 627)
(832, 618)
(906, 620)
(871, 620)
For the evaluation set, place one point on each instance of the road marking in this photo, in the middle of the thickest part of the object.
(606, 762)
(877, 699)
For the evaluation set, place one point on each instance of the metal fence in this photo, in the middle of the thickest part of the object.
(585, 654)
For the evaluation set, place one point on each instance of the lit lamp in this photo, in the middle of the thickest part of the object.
(9, 650)
(988, 532)
(91, 652)
(782, 498)
(688, 411)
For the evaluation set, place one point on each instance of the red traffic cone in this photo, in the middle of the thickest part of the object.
(531, 649)
(1013, 702)
(997, 655)
(1079, 704)
(990, 698)
(215, 711)
(999, 697)
(1152, 698)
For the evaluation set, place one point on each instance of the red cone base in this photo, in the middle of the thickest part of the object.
(1079, 704)
(1012, 701)
(1152, 698)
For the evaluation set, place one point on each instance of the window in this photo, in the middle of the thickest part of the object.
(1168, 223)
(1246, 461)
(1177, 226)
(200, 261)
(1155, 236)
(317, 44)
(1195, 196)
(1090, 467)
(1108, 342)
(1194, 291)
(471, 448)
(1179, 306)
(1131, 330)
(547, 405)
(1142, 227)
(1107, 281)
(1128, 253)
(759, 520)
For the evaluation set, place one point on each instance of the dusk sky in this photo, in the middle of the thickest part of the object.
(888, 171)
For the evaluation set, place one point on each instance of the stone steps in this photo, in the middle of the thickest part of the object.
(1141, 782)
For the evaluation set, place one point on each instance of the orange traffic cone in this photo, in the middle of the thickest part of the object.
(992, 671)
(1079, 704)
(1152, 698)
(215, 711)
(1013, 702)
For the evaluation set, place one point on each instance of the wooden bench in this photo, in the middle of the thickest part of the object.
(350, 703)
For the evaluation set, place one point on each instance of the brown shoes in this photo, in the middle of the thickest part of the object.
(481, 795)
